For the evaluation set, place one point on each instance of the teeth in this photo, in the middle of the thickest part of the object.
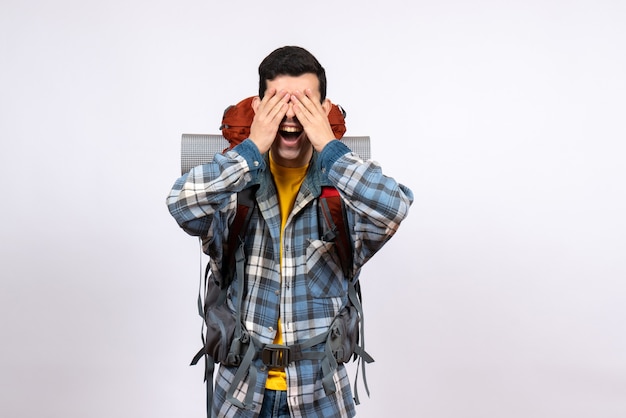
(290, 129)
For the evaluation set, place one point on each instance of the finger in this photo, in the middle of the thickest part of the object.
(311, 103)
(302, 100)
(269, 94)
(271, 99)
(301, 107)
(278, 109)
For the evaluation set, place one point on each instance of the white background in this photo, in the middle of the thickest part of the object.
(502, 295)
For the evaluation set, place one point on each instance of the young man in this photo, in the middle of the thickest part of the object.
(294, 283)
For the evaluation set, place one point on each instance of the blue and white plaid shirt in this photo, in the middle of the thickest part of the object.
(312, 289)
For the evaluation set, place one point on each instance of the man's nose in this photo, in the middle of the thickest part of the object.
(290, 113)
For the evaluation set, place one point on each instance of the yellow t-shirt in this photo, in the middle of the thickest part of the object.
(288, 181)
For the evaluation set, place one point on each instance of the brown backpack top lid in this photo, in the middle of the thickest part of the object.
(238, 118)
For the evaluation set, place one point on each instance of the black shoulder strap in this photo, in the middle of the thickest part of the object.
(236, 235)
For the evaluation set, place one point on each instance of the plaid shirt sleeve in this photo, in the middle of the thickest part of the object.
(206, 190)
(204, 200)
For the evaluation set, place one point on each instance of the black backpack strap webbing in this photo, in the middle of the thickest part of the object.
(354, 294)
(236, 235)
(246, 361)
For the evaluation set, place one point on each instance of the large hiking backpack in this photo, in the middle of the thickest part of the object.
(225, 339)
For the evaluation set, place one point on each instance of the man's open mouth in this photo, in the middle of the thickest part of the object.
(290, 132)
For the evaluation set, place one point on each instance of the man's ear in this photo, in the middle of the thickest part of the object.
(256, 101)
(327, 105)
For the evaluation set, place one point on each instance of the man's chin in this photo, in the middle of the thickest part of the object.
(291, 153)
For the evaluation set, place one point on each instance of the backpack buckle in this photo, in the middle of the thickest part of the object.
(275, 356)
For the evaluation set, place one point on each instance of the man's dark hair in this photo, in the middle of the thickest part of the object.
(293, 61)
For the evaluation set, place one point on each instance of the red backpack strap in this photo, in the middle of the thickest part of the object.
(337, 228)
